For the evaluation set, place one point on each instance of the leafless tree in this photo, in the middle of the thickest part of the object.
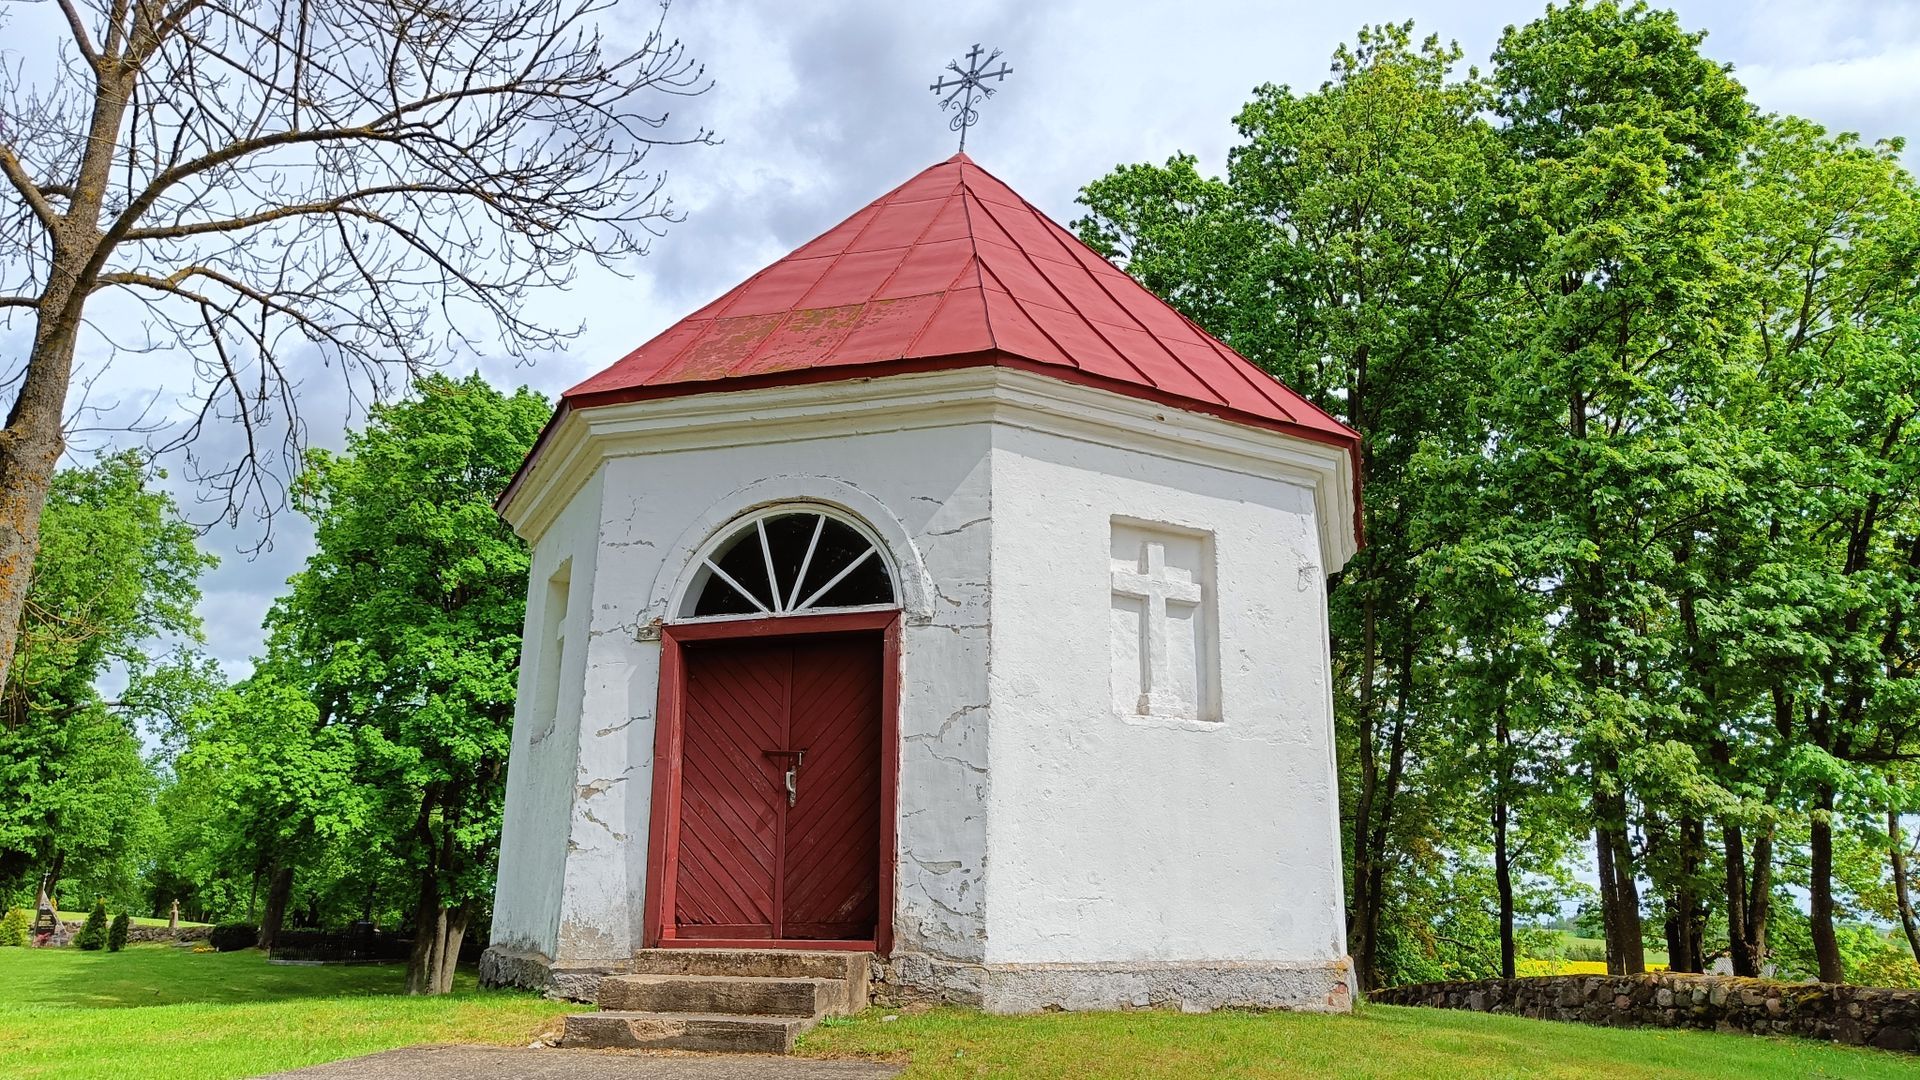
(274, 185)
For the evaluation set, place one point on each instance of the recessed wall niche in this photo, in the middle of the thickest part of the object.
(1165, 656)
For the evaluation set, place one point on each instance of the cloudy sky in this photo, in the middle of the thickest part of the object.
(823, 106)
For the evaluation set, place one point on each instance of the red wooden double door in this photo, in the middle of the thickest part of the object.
(779, 824)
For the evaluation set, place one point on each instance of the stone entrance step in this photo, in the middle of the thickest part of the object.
(733, 995)
(763, 963)
(755, 1001)
(622, 1030)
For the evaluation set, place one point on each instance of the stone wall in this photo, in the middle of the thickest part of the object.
(147, 935)
(1856, 1015)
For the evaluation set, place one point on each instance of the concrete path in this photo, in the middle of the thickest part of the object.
(501, 1063)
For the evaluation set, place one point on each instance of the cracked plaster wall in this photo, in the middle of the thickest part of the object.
(1127, 839)
(933, 483)
(534, 831)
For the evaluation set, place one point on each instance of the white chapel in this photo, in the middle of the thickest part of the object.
(940, 594)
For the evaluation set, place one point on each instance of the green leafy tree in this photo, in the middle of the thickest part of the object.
(264, 787)
(117, 932)
(1343, 251)
(1626, 138)
(116, 580)
(404, 629)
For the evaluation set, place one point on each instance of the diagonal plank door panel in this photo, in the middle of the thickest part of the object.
(832, 842)
(731, 794)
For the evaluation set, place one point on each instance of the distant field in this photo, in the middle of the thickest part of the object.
(1571, 948)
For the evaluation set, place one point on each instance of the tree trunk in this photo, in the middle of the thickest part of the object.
(437, 937)
(279, 894)
(1739, 949)
(1613, 857)
(429, 930)
(1603, 869)
(30, 449)
(1632, 949)
(1826, 949)
(35, 435)
(1364, 917)
(1686, 916)
(1503, 879)
(1502, 863)
(1902, 897)
(1760, 899)
(448, 951)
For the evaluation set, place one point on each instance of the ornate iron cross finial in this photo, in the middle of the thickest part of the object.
(960, 91)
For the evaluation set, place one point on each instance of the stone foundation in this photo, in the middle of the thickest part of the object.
(1856, 1015)
(526, 969)
(1188, 986)
(925, 979)
(920, 978)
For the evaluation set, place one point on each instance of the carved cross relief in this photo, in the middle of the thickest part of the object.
(1161, 628)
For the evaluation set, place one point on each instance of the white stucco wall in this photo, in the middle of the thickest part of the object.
(1120, 838)
(534, 827)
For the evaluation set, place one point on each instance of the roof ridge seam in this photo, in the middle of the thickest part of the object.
(732, 296)
(1266, 382)
(740, 290)
(1137, 321)
(1071, 306)
(979, 267)
(917, 239)
(946, 298)
(1232, 356)
(1264, 386)
(1275, 380)
(1031, 321)
(873, 205)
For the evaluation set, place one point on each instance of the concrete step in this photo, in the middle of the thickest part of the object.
(625, 1030)
(730, 995)
(850, 967)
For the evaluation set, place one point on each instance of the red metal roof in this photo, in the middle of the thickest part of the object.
(953, 269)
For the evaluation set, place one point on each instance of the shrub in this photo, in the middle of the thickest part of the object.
(234, 936)
(93, 935)
(117, 933)
(16, 926)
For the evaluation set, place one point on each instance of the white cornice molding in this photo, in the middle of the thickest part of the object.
(585, 438)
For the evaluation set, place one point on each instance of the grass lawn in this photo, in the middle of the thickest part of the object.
(162, 1011)
(1380, 1041)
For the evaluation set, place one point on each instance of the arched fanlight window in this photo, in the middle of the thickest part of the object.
(790, 561)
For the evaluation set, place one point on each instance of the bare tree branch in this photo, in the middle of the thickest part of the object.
(29, 192)
(272, 186)
(81, 40)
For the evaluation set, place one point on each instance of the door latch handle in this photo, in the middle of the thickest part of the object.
(794, 759)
